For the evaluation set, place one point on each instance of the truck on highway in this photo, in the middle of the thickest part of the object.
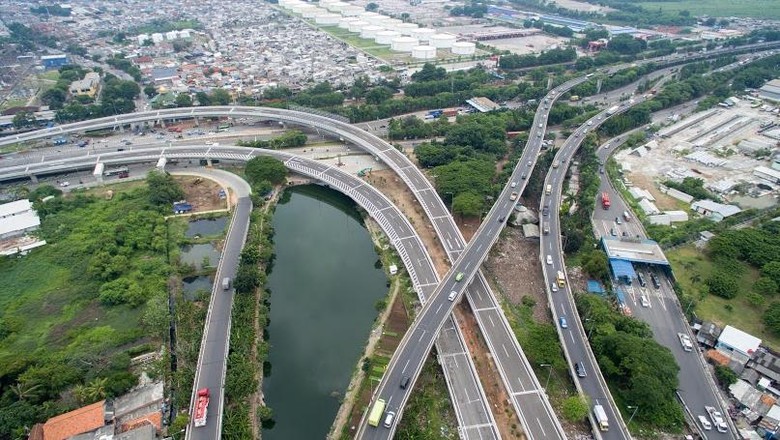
(601, 417)
(560, 279)
(201, 407)
(611, 111)
(376, 413)
(605, 200)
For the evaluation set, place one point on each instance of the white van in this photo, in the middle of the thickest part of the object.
(226, 283)
(389, 419)
(452, 296)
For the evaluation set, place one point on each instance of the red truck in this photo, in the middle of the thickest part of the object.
(605, 200)
(201, 407)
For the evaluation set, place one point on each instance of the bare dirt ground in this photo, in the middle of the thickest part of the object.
(514, 262)
(393, 187)
(202, 193)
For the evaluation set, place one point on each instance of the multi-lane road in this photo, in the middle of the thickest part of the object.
(468, 260)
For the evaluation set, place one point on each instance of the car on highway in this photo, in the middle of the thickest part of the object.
(529, 163)
(717, 419)
(524, 176)
(618, 221)
(513, 196)
(389, 418)
(546, 211)
(554, 287)
(612, 232)
(579, 368)
(562, 322)
(501, 219)
(405, 382)
(685, 341)
(645, 301)
(705, 424)
(459, 276)
(452, 295)
(549, 259)
(514, 184)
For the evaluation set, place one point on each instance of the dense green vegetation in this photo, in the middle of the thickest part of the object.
(263, 172)
(67, 337)
(428, 415)
(54, 9)
(575, 226)
(120, 62)
(639, 371)
(289, 139)
(248, 349)
(117, 97)
(26, 38)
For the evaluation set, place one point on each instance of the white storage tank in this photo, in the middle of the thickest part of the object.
(345, 21)
(313, 12)
(335, 7)
(424, 52)
(423, 34)
(463, 48)
(442, 40)
(404, 44)
(406, 28)
(368, 16)
(382, 20)
(386, 37)
(355, 26)
(370, 31)
(328, 19)
(392, 23)
(352, 11)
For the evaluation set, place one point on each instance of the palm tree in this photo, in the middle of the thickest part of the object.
(96, 390)
(25, 390)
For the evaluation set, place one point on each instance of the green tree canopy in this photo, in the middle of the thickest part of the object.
(163, 189)
(468, 204)
(264, 168)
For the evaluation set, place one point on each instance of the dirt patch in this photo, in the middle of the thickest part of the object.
(662, 201)
(513, 255)
(89, 314)
(202, 193)
(396, 190)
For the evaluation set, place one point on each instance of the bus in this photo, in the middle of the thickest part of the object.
(561, 279)
(376, 413)
(116, 171)
(223, 127)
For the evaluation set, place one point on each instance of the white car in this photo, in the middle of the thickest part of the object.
(64, 184)
(554, 287)
(685, 341)
(549, 259)
(514, 184)
(705, 424)
(717, 419)
(645, 301)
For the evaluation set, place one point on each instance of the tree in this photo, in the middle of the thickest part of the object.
(54, 98)
(429, 72)
(372, 7)
(24, 119)
(183, 100)
(575, 408)
(378, 95)
(725, 376)
(163, 189)
(772, 270)
(772, 318)
(150, 90)
(765, 286)
(724, 285)
(247, 279)
(220, 97)
(467, 204)
(264, 168)
(596, 265)
(203, 98)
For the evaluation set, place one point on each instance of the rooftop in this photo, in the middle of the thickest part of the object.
(14, 208)
(739, 340)
(634, 250)
(82, 420)
(483, 104)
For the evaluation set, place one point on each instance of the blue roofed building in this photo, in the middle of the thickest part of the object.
(54, 61)
(623, 253)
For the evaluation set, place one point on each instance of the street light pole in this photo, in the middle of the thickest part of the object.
(548, 374)
(635, 408)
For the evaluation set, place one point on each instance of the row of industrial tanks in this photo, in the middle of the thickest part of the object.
(402, 37)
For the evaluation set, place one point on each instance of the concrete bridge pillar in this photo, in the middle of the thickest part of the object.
(34, 178)
(197, 121)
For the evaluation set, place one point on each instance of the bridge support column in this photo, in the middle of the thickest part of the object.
(34, 178)
(197, 121)
(160, 122)
(208, 163)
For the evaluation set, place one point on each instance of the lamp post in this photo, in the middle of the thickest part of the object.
(635, 408)
(548, 374)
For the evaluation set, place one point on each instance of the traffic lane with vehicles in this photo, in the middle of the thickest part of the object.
(210, 372)
(665, 319)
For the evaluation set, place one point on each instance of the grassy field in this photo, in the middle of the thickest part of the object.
(721, 8)
(691, 268)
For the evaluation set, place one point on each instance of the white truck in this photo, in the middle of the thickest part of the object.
(601, 417)
(611, 111)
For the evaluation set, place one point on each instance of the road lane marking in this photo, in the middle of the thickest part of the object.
(406, 365)
(491, 321)
(544, 434)
(421, 336)
(505, 350)
(439, 308)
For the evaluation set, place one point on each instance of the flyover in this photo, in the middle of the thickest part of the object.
(474, 417)
(348, 133)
